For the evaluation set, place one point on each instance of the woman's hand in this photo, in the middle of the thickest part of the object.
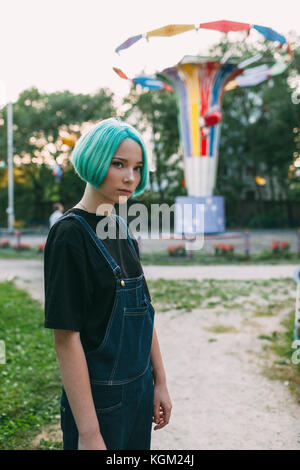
(161, 406)
(93, 442)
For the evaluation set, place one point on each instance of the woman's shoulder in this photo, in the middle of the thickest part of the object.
(66, 231)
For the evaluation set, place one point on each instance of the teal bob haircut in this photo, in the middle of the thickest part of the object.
(94, 150)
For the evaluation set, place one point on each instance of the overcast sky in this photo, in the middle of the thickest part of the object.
(69, 44)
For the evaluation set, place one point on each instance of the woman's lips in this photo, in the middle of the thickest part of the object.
(124, 191)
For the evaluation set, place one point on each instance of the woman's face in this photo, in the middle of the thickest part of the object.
(124, 172)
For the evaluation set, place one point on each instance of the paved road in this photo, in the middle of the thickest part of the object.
(219, 272)
(259, 240)
(30, 274)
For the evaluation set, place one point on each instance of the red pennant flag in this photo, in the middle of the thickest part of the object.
(120, 73)
(225, 26)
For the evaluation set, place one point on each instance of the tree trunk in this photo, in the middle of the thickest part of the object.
(288, 206)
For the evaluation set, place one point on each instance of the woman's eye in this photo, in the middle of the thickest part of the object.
(119, 163)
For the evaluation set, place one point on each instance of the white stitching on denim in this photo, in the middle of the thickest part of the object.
(125, 290)
(106, 410)
(135, 314)
(118, 352)
(138, 309)
(120, 382)
(133, 278)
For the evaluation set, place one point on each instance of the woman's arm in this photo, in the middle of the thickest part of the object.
(159, 374)
(75, 378)
(162, 403)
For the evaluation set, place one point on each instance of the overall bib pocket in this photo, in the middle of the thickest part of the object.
(135, 342)
(107, 398)
(140, 310)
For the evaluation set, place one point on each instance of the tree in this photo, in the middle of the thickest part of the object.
(257, 133)
(40, 122)
(156, 112)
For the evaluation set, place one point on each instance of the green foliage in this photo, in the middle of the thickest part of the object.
(257, 135)
(257, 138)
(40, 120)
(156, 112)
(29, 381)
(189, 294)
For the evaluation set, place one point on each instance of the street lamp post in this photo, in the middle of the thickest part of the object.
(10, 168)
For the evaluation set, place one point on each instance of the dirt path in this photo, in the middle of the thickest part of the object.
(29, 273)
(221, 399)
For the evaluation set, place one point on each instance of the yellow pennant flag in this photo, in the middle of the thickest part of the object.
(170, 30)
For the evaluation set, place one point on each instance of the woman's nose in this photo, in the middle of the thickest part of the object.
(129, 176)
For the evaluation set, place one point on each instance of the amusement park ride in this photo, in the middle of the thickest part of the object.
(199, 84)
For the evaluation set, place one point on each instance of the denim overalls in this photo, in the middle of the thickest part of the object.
(120, 369)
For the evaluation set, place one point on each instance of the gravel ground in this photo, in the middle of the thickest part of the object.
(221, 399)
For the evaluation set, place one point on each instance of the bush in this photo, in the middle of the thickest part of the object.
(178, 250)
(40, 248)
(22, 246)
(222, 249)
(5, 244)
(280, 248)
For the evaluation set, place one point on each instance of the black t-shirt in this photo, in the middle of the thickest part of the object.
(79, 283)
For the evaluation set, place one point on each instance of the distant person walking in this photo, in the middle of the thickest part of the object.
(58, 212)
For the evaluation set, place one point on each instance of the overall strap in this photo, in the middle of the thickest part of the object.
(123, 224)
(114, 266)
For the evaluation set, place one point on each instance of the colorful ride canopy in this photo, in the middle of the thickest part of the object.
(223, 26)
(199, 84)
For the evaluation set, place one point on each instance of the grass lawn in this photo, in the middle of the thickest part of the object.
(163, 258)
(30, 382)
(11, 253)
(199, 258)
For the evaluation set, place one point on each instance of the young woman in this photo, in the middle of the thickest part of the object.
(98, 304)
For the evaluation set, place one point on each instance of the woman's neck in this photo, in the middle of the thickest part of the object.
(93, 202)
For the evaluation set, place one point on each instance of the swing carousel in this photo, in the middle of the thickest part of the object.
(199, 84)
